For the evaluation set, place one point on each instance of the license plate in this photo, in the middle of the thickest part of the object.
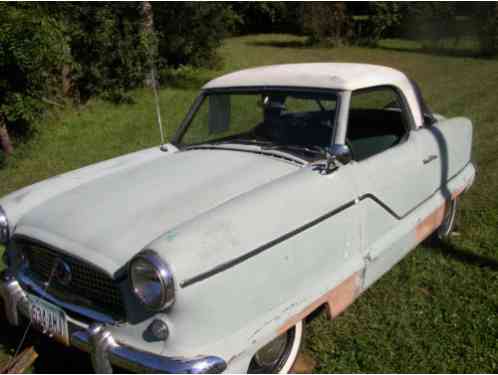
(49, 318)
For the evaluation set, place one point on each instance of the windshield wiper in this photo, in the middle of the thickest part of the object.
(309, 149)
(256, 142)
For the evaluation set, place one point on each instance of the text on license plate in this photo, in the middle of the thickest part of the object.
(49, 318)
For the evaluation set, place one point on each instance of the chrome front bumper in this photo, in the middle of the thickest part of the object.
(104, 350)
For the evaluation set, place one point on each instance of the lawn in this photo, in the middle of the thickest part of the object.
(437, 311)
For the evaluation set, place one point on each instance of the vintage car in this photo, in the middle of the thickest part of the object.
(286, 189)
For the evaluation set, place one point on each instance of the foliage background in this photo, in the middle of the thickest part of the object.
(51, 53)
(435, 312)
(64, 67)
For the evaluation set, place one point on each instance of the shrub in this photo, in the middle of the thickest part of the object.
(31, 54)
(382, 18)
(266, 16)
(327, 23)
(434, 24)
(486, 19)
(189, 33)
(107, 52)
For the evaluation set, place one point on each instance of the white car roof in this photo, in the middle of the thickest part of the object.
(335, 76)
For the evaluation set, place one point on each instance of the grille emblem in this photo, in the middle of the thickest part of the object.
(62, 272)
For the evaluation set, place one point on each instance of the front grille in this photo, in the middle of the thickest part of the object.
(88, 285)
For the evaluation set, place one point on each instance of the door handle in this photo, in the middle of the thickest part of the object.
(429, 158)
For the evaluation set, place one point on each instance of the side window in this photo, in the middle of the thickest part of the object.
(295, 105)
(376, 121)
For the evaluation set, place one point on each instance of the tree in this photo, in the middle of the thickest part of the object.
(486, 20)
(434, 24)
(30, 54)
(150, 42)
(384, 16)
(327, 23)
(188, 32)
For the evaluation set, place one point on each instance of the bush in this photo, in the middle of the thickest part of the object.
(189, 33)
(327, 23)
(486, 19)
(434, 24)
(267, 16)
(107, 52)
(31, 55)
(383, 17)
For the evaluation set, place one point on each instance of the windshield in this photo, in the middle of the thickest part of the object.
(289, 121)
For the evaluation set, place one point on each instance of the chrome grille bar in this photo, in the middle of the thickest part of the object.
(89, 286)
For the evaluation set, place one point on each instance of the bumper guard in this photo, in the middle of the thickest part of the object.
(104, 350)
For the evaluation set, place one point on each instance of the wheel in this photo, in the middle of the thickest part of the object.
(279, 355)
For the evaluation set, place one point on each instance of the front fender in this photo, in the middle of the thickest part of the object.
(246, 269)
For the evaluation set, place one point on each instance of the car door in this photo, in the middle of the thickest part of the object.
(388, 172)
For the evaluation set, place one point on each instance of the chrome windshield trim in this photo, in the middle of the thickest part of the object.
(32, 286)
(280, 155)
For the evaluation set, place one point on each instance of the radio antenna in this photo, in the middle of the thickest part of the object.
(158, 109)
(152, 52)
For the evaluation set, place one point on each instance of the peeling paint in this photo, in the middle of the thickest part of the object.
(343, 295)
(263, 326)
(23, 194)
(337, 300)
(430, 223)
(455, 194)
(170, 236)
(235, 357)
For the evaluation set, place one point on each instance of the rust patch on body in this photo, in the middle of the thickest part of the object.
(456, 193)
(343, 295)
(430, 223)
(337, 300)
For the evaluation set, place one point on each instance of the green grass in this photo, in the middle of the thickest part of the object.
(437, 311)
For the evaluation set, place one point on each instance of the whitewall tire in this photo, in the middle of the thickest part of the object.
(279, 355)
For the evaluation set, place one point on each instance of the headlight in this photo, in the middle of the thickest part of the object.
(4, 227)
(152, 281)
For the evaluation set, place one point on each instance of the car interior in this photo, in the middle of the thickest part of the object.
(370, 130)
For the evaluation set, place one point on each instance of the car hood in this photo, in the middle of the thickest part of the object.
(110, 218)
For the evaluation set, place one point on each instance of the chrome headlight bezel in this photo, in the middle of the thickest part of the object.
(149, 261)
(4, 227)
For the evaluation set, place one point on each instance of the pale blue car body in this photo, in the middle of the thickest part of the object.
(255, 243)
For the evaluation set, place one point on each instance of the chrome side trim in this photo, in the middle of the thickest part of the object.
(30, 285)
(232, 263)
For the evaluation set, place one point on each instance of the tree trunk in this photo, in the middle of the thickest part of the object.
(67, 82)
(4, 138)
(148, 30)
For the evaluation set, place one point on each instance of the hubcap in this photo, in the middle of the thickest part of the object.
(272, 357)
(269, 354)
